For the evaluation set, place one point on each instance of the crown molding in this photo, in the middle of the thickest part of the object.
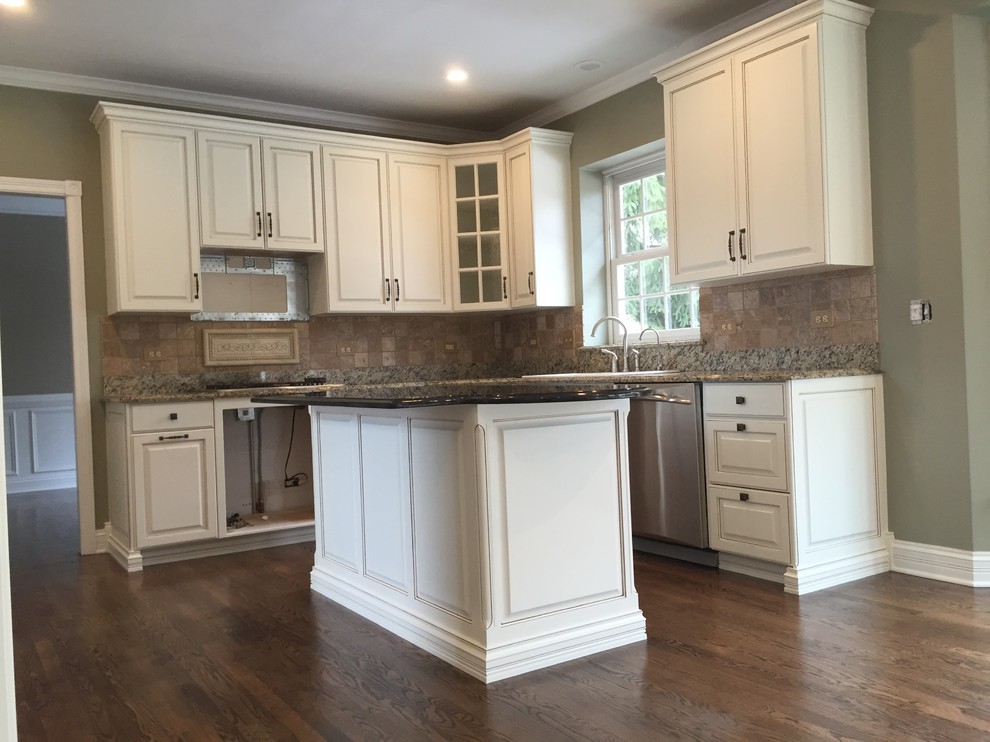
(646, 70)
(232, 105)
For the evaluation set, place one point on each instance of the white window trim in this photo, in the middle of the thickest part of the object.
(632, 169)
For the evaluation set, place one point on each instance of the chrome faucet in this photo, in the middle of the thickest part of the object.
(625, 338)
(657, 333)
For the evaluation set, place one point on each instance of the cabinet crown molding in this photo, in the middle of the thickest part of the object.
(813, 10)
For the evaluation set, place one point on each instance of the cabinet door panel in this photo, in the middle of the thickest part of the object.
(780, 153)
(293, 196)
(174, 487)
(701, 193)
(357, 229)
(385, 500)
(750, 522)
(417, 191)
(230, 190)
(518, 167)
(755, 456)
(156, 221)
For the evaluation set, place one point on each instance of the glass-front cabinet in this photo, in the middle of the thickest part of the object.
(481, 253)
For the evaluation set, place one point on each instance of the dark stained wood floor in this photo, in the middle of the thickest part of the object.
(238, 648)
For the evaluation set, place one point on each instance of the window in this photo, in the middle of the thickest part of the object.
(640, 293)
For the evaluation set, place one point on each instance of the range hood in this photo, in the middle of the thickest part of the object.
(253, 288)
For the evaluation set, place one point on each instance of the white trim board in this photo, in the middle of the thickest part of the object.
(71, 191)
(970, 568)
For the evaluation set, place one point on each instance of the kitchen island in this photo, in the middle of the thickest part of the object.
(487, 524)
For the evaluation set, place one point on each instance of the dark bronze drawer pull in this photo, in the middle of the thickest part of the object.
(743, 497)
(173, 416)
(740, 400)
(173, 437)
(740, 427)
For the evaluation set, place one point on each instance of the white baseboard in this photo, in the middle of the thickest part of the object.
(101, 540)
(970, 568)
(804, 580)
(121, 553)
(216, 547)
(487, 665)
(751, 567)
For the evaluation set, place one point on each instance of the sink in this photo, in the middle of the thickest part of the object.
(601, 374)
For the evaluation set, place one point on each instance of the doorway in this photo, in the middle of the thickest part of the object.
(68, 195)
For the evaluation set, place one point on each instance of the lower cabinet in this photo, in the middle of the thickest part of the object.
(173, 486)
(797, 480)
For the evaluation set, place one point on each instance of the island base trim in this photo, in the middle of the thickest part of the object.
(486, 665)
(804, 580)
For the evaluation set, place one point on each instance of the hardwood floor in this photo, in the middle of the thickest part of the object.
(238, 648)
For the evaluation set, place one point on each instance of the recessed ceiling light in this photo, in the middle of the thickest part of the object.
(590, 65)
(456, 74)
(12, 3)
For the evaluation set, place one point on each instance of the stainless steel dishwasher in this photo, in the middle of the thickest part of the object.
(666, 465)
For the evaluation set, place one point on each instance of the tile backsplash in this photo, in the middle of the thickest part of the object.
(775, 313)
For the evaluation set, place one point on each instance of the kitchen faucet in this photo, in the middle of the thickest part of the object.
(625, 338)
(657, 333)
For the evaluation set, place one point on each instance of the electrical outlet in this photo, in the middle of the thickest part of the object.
(450, 346)
(154, 354)
(292, 482)
(822, 318)
(920, 311)
(345, 349)
(568, 339)
(727, 327)
(532, 341)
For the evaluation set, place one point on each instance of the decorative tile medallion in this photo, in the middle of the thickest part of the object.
(250, 347)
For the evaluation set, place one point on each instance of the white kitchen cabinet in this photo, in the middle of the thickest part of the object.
(151, 217)
(539, 229)
(800, 484)
(478, 219)
(385, 219)
(172, 478)
(439, 524)
(767, 148)
(175, 487)
(260, 192)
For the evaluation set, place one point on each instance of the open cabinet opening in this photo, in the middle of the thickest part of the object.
(267, 469)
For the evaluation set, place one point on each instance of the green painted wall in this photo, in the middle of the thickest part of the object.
(48, 136)
(929, 238)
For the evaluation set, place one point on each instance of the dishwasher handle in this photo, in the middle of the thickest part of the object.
(661, 397)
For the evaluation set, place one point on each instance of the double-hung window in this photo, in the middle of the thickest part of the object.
(640, 293)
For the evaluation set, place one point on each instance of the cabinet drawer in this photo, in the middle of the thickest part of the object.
(171, 416)
(747, 453)
(761, 400)
(750, 522)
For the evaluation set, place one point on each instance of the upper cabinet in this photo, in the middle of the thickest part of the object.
(768, 150)
(386, 227)
(260, 193)
(389, 225)
(151, 215)
(481, 265)
(538, 181)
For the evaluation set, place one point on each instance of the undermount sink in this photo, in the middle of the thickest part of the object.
(599, 374)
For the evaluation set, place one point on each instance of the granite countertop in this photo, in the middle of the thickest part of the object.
(164, 393)
(505, 391)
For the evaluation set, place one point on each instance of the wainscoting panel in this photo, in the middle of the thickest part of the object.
(40, 435)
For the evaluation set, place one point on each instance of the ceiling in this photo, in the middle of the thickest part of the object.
(384, 59)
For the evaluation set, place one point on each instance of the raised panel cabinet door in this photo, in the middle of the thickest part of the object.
(747, 453)
(357, 229)
(750, 522)
(293, 196)
(155, 218)
(519, 182)
(417, 198)
(781, 204)
(230, 196)
(175, 487)
(701, 181)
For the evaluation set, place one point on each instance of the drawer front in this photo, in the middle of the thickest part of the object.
(760, 400)
(171, 416)
(747, 453)
(750, 522)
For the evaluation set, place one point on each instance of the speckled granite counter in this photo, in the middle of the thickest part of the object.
(660, 377)
(398, 396)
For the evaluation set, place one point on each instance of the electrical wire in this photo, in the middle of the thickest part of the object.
(292, 436)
